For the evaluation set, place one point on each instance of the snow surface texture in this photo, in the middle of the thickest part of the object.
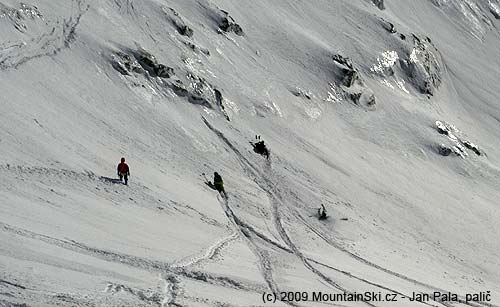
(387, 112)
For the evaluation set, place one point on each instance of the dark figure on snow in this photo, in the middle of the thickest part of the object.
(123, 171)
(322, 213)
(260, 148)
(219, 184)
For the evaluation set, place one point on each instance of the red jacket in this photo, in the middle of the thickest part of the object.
(123, 168)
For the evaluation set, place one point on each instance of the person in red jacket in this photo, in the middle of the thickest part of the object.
(123, 171)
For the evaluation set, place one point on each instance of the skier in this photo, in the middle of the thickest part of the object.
(123, 171)
(219, 184)
(322, 213)
(260, 147)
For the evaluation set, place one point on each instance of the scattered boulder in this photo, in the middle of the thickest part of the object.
(348, 74)
(444, 150)
(227, 24)
(195, 48)
(371, 102)
(224, 22)
(416, 62)
(178, 22)
(179, 88)
(355, 97)
(494, 10)
(379, 3)
(472, 147)
(125, 64)
(423, 66)
(163, 71)
(389, 26)
(19, 16)
(351, 85)
(441, 128)
(298, 92)
(150, 64)
(192, 87)
(456, 136)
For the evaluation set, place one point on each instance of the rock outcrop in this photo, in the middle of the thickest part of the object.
(460, 144)
(178, 22)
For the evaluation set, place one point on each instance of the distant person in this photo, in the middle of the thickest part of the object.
(219, 184)
(322, 213)
(260, 147)
(123, 171)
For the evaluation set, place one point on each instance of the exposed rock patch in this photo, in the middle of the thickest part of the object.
(18, 16)
(423, 66)
(444, 150)
(389, 26)
(379, 3)
(460, 144)
(416, 61)
(224, 22)
(149, 62)
(178, 22)
(125, 64)
(345, 70)
(227, 24)
(494, 9)
(196, 48)
(350, 83)
(150, 74)
(298, 92)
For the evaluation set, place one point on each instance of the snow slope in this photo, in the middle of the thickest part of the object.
(345, 94)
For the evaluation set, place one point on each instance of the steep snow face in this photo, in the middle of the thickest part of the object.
(386, 112)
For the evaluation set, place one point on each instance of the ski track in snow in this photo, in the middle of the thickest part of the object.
(264, 182)
(52, 42)
(265, 264)
(53, 177)
(209, 253)
(136, 262)
(267, 186)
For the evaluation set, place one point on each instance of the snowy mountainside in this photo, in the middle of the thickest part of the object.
(386, 112)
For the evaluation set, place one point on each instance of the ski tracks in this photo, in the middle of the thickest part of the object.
(262, 255)
(58, 36)
(266, 185)
(209, 254)
(264, 181)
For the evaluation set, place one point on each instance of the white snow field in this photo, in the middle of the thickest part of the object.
(388, 113)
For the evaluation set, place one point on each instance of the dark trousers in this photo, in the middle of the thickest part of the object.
(220, 188)
(123, 176)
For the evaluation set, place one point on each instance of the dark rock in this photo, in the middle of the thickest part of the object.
(150, 63)
(349, 74)
(494, 11)
(371, 101)
(379, 3)
(125, 64)
(389, 26)
(355, 97)
(423, 66)
(178, 22)
(350, 77)
(301, 93)
(218, 98)
(195, 48)
(402, 36)
(227, 24)
(179, 88)
(163, 71)
(195, 99)
(472, 147)
(444, 150)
